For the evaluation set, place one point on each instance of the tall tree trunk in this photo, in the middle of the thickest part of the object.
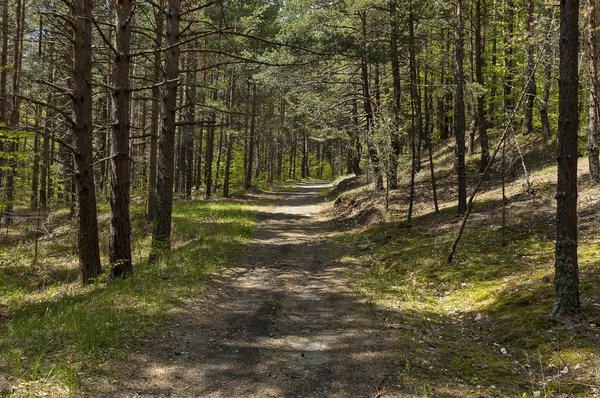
(257, 151)
(368, 107)
(294, 156)
(4, 65)
(304, 167)
(208, 156)
(392, 177)
(428, 132)
(494, 62)
(415, 91)
(119, 243)
(547, 60)
(35, 174)
(508, 56)
(199, 155)
(45, 183)
(248, 179)
(592, 128)
(442, 98)
(154, 118)
(479, 63)
(449, 100)
(228, 155)
(180, 133)
(471, 107)
(280, 138)
(566, 280)
(161, 228)
(190, 119)
(218, 163)
(356, 145)
(3, 82)
(459, 111)
(89, 252)
(189, 163)
(15, 111)
(530, 88)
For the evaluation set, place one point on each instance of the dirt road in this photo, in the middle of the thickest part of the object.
(283, 323)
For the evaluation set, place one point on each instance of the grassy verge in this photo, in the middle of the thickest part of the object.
(481, 326)
(54, 333)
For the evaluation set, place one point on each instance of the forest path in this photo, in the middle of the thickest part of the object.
(283, 323)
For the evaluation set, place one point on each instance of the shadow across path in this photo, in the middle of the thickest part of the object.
(282, 323)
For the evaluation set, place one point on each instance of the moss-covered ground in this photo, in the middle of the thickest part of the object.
(480, 326)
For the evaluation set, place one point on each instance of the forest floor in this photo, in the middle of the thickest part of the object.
(317, 290)
(481, 326)
(284, 322)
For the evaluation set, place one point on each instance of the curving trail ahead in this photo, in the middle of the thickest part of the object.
(283, 323)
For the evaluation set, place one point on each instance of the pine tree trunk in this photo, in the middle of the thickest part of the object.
(218, 163)
(248, 179)
(459, 111)
(4, 65)
(494, 61)
(441, 105)
(3, 83)
(548, 60)
(530, 88)
(161, 228)
(392, 177)
(228, 155)
(368, 108)
(357, 146)
(15, 112)
(415, 91)
(481, 114)
(154, 118)
(119, 242)
(179, 137)
(45, 169)
(508, 57)
(566, 280)
(208, 156)
(35, 173)
(190, 119)
(592, 128)
(473, 124)
(449, 100)
(89, 253)
(199, 155)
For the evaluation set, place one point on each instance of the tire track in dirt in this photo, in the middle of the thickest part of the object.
(283, 323)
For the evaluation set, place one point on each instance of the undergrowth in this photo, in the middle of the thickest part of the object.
(54, 333)
(481, 326)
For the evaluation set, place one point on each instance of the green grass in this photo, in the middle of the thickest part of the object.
(481, 325)
(59, 333)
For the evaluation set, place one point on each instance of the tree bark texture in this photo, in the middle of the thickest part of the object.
(530, 88)
(161, 229)
(459, 111)
(89, 253)
(592, 128)
(154, 118)
(479, 63)
(548, 60)
(392, 177)
(15, 114)
(248, 179)
(566, 280)
(119, 242)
